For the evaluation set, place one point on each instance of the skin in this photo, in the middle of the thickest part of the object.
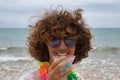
(57, 64)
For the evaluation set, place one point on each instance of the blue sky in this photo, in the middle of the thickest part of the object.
(97, 13)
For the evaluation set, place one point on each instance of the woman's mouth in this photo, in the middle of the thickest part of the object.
(62, 54)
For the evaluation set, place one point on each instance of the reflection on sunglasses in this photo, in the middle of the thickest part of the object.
(68, 43)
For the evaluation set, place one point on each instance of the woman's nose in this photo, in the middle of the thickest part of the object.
(62, 45)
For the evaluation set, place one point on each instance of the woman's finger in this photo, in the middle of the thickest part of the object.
(56, 62)
(61, 64)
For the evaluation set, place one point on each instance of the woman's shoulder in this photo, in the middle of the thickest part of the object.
(30, 76)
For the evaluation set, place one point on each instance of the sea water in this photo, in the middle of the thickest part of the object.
(103, 62)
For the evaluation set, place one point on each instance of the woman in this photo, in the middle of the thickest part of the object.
(55, 39)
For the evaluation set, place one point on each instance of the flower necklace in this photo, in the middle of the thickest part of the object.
(43, 70)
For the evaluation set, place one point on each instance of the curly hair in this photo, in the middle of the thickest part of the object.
(56, 22)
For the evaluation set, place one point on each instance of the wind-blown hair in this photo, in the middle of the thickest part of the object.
(56, 23)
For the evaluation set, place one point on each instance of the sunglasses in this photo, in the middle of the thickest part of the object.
(68, 43)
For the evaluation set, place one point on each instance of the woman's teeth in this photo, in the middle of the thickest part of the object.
(61, 54)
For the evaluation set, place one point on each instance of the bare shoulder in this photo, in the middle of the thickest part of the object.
(30, 76)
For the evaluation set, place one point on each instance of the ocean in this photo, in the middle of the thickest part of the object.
(103, 62)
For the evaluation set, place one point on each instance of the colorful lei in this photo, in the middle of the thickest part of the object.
(43, 70)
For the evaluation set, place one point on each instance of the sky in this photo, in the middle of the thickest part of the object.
(97, 13)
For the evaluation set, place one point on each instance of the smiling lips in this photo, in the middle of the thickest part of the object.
(60, 53)
(63, 54)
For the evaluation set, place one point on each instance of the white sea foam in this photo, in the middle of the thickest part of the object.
(5, 59)
(3, 48)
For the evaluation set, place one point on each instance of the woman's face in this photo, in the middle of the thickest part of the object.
(63, 47)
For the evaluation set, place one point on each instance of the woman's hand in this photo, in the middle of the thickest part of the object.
(55, 72)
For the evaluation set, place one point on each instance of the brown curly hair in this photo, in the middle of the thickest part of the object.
(55, 23)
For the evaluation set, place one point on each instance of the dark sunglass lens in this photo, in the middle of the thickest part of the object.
(70, 42)
(55, 43)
